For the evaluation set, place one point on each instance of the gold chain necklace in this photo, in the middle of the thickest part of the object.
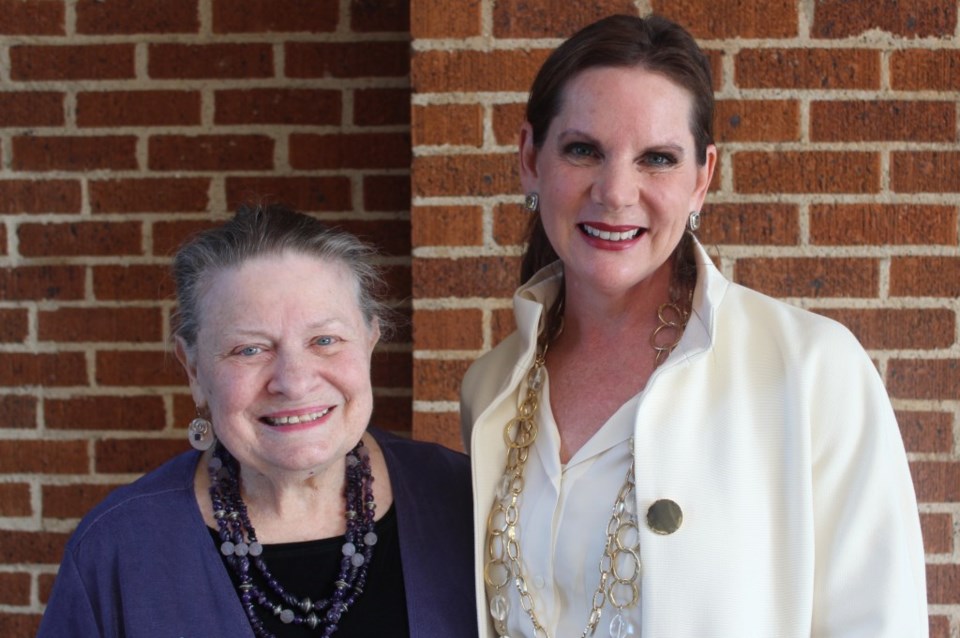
(620, 564)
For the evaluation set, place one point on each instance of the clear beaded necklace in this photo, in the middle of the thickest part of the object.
(243, 551)
(620, 564)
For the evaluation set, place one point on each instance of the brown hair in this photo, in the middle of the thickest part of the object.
(653, 43)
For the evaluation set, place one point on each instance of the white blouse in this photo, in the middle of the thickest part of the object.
(564, 512)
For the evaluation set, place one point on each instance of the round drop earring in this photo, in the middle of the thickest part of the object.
(200, 433)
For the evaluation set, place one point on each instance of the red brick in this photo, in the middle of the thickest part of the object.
(40, 196)
(898, 328)
(41, 282)
(386, 193)
(135, 456)
(466, 175)
(502, 324)
(14, 624)
(137, 16)
(806, 172)
(467, 277)
(438, 379)
(277, 106)
(453, 124)
(138, 368)
(390, 236)
(926, 431)
(391, 369)
(943, 584)
(455, 329)
(925, 171)
(149, 195)
(15, 590)
(750, 224)
(810, 276)
(434, 19)
(100, 324)
(438, 427)
(258, 16)
(60, 369)
(347, 59)
(392, 413)
(913, 19)
(105, 413)
(169, 236)
(349, 150)
(719, 19)
(34, 108)
(72, 62)
(14, 501)
(507, 120)
(936, 481)
(73, 501)
(43, 457)
(887, 120)
(313, 194)
(939, 626)
(757, 121)
(82, 238)
(925, 277)
(550, 19)
(807, 69)
(882, 224)
(32, 547)
(71, 153)
(368, 16)
(511, 224)
(934, 379)
(469, 71)
(18, 411)
(3, 240)
(925, 69)
(130, 283)
(138, 108)
(381, 107)
(447, 226)
(13, 325)
(32, 18)
(937, 533)
(210, 152)
(201, 61)
(399, 281)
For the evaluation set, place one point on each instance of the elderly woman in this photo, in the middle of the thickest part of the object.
(293, 517)
(658, 451)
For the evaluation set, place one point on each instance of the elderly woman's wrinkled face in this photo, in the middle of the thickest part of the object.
(282, 362)
(617, 175)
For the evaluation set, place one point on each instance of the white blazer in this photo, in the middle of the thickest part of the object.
(770, 427)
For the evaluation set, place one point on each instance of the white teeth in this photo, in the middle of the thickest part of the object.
(608, 236)
(293, 420)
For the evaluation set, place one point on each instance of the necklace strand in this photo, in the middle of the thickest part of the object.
(620, 564)
(243, 551)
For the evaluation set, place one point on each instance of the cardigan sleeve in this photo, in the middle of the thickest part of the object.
(869, 578)
(69, 613)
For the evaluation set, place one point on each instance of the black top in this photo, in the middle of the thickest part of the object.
(309, 569)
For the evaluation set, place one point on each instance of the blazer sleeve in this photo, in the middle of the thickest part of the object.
(869, 563)
(69, 613)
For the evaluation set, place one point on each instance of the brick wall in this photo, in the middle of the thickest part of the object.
(124, 126)
(838, 189)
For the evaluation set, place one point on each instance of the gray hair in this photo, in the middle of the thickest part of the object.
(257, 231)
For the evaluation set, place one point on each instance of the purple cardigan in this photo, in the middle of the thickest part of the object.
(141, 564)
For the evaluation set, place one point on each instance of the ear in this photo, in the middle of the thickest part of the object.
(704, 177)
(188, 359)
(374, 334)
(529, 175)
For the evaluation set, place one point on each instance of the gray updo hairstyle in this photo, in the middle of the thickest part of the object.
(257, 231)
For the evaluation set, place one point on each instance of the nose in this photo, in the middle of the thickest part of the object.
(291, 375)
(617, 185)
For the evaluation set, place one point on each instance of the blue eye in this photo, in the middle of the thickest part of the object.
(661, 159)
(325, 341)
(580, 149)
(249, 351)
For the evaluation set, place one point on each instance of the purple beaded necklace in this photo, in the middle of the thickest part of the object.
(242, 549)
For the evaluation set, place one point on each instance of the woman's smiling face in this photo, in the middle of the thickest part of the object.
(282, 361)
(617, 175)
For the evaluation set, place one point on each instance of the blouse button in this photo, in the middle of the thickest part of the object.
(539, 582)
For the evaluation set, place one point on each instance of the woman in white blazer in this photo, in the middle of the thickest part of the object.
(657, 451)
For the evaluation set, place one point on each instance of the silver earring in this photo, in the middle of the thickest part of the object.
(694, 221)
(200, 433)
(532, 202)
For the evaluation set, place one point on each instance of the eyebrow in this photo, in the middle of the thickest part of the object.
(565, 135)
